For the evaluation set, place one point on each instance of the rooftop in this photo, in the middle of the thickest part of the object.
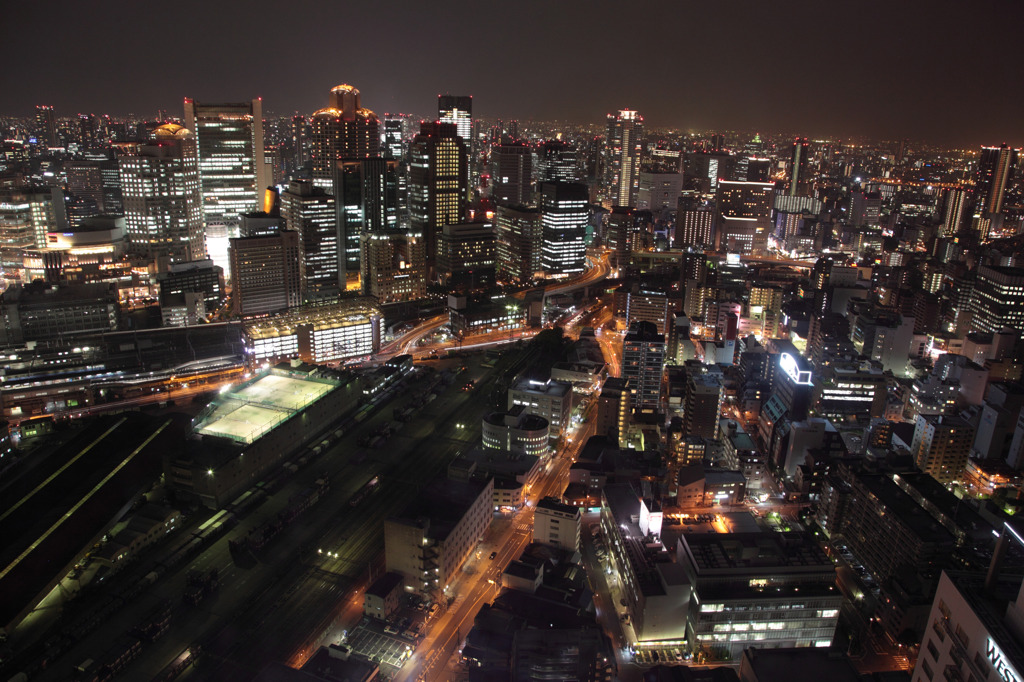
(350, 312)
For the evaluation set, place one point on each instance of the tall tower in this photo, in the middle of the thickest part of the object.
(643, 358)
(229, 140)
(799, 178)
(996, 166)
(46, 126)
(563, 217)
(956, 204)
(623, 151)
(512, 173)
(438, 182)
(458, 110)
(366, 200)
(342, 131)
(160, 194)
(309, 211)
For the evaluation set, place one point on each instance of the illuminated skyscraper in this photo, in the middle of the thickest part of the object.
(643, 359)
(309, 211)
(744, 216)
(229, 140)
(799, 178)
(438, 182)
(623, 151)
(340, 132)
(160, 190)
(957, 202)
(996, 166)
(557, 161)
(366, 200)
(563, 216)
(458, 110)
(518, 235)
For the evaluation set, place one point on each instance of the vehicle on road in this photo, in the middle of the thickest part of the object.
(493, 555)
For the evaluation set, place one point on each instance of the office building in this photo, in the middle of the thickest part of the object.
(695, 228)
(55, 314)
(557, 524)
(516, 431)
(643, 361)
(160, 184)
(624, 234)
(518, 239)
(266, 267)
(341, 131)
(941, 446)
(851, 391)
(800, 180)
(394, 266)
(512, 173)
(658, 190)
(458, 111)
(430, 539)
(623, 151)
(703, 405)
(309, 211)
(557, 161)
(643, 305)
(232, 170)
(614, 406)
(563, 215)
(745, 213)
(201, 277)
(549, 399)
(317, 333)
(365, 201)
(438, 182)
(466, 256)
(884, 337)
(997, 301)
(758, 590)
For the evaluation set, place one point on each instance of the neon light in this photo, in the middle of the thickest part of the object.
(788, 364)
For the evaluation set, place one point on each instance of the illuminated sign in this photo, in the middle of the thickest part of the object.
(999, 662)
(788, 364)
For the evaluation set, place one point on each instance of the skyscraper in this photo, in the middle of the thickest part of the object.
(512, 173)
(46, 126)
(563, 215)
(956, 205)
(366, 200)
(695, 227)
(643, 359)
(232, 171)
(799, 174)
(996, 167)
(457, 110)
(623, 150)
(557, 161)
(394, 266)
(997, 301)
(744, 216)
(438, 181)
(518, 237)
(266, 263)
(342, 131)
(160, 190)
(309, 211)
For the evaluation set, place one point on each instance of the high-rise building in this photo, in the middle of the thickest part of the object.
(800, 181)
(996, 168)
(658, 190)
(394, 266)
(702, 407)
(623, 152)
(512, 173)
(613, 408)
(745, 214)
(46, 125)
(623, 234)
(695, 227)
(366, 200)
(646, 305)
(343, 130)
(160, 185)
(309, 211)
(298, 141)
(643, 360)
(557, 160)
(957, 203)
(438, 182)
(997, 301)
(563, 215)
(518, 236)
(941, 446)
(466, 255)
(457, 110)
(266, 264)
(232, 170)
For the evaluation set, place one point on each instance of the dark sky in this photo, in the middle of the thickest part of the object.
(939, 70)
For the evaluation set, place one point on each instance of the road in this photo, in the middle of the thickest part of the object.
(473, 589)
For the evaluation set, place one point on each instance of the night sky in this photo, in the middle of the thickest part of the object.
(938, 70)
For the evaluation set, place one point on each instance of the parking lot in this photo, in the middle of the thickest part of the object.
(388, 650)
